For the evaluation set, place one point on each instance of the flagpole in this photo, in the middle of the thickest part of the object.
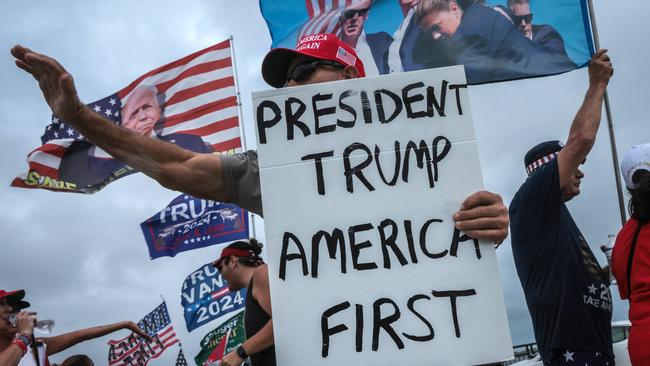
(240, 114)
(610, 124)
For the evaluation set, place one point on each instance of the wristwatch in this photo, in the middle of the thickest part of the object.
(241, 352)
(25, 338)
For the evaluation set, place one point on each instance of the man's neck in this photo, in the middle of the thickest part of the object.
(351, 41)
(405, 9)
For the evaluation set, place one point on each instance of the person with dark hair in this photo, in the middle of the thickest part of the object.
(78, 360)
(485, 42)
(631, 254)
(543, 35)
(241, 265)
(372, 48)
(566, 290)
(232, 178)
(18, 347)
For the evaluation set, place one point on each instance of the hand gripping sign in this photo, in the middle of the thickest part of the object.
(360, 179)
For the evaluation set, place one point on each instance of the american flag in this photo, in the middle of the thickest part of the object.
(323, 16)
(199, 98)
(134, 350)
(180, 360)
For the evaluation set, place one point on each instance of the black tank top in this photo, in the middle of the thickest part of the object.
(254, 319)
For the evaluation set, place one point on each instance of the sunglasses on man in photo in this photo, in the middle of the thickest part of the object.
(350, 13)
(305, 70)
(517, 19)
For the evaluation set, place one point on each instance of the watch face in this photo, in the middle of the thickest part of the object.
(241, 352)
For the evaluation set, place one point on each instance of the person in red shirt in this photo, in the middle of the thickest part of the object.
(631, 254)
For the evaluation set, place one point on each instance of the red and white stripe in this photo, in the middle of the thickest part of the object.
(200, 99)
(323, 16)
(200, 96)
(44, 160)
(167, 338)
(539, 162)
(218, 294)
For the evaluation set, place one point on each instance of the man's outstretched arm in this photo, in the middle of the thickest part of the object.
(173, 167)
(62, 342)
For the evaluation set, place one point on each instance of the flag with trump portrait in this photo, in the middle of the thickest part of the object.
(496, 40)
(191, 102)
(136, 350)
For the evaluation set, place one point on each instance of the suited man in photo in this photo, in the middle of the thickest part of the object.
(542, 35)
(486, 42)
(371, 48)
(90, 168)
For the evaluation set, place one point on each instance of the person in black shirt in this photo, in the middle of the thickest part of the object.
(241, 265)
(566, 290)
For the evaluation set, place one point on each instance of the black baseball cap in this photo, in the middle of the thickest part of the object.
(541, 154)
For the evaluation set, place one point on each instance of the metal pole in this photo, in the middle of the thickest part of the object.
(242, 132)
(610, 125)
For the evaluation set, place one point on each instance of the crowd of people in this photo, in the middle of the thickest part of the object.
(558, 271)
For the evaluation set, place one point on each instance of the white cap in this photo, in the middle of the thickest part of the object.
(637, 158)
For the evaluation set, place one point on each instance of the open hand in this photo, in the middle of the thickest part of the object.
(55, 82)
(135, 329)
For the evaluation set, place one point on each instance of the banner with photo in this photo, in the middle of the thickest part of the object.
(190, 102)
(233, 328)
(494, 40)
(189, 223)
(205, 297)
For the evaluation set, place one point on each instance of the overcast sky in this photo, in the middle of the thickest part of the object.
(82, 258)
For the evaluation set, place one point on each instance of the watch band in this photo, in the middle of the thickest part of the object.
(26, 339)
(241, 352)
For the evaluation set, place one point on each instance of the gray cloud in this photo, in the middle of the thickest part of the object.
(82, 258)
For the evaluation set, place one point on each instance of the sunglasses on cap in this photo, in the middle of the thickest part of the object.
(304, 71)
(517, 19)
(350, 13)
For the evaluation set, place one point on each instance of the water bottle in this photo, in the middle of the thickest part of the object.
(42, 325)
(607, 249)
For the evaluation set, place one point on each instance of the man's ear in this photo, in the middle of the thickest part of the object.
(350, 72)
(453, 7)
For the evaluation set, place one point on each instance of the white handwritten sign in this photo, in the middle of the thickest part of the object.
(360, 179)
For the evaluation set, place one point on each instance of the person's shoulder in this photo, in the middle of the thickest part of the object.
(261, 272)
(379, 37)
(544, 31)
(541, 177)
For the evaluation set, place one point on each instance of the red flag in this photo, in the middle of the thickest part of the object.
(219, 351)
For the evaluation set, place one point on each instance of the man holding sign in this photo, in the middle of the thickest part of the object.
(235, 179)
(220, 177)
(372, 169)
